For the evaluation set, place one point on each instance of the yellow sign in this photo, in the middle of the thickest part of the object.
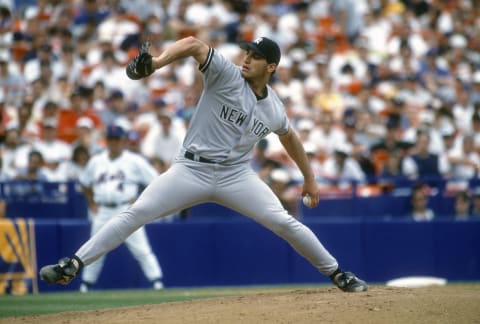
(17, 256)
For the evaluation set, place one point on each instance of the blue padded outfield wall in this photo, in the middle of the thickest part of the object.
(215, 246)
(195, 254)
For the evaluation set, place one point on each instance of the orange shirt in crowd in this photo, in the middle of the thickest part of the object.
(67, 123)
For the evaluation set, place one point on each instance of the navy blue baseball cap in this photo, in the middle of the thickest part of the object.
(115, 131)
(264, 47)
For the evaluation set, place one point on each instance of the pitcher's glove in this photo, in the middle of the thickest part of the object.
(141, 65)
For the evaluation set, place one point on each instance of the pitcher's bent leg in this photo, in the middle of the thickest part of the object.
(250, 196)
(300, 237)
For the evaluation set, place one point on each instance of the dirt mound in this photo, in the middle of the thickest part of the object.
(446, 304)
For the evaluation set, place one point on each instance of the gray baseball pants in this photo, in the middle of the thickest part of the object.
(187, 183)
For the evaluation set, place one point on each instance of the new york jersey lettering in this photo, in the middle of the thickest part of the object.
(232, 115)
(259, 128)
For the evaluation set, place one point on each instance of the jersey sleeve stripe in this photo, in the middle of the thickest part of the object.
(203, 67)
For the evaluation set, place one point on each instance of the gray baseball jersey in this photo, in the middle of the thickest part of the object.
(229, 119)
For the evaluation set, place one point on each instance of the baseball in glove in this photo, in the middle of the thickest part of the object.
(141, 65)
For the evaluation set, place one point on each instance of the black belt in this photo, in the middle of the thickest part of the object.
(113, 205)
(189, 155)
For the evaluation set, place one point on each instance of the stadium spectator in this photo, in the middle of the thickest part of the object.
(167, 141)
(6, 30)
(49, 112)
(355, 137)
(99, 96)
(422, 163)
(315, 78)
(286, 85)
(349, 16)
(304, 128)
(132, 111)
(267, 167)
(143, 9)
(178, 24)
(111, 73)
(259, 155)
(42, 57)
(393, 139)
(14, 152)
(72, 169)
(463, 110)
(405, 65)
(392, 168)
(367, 128)
(326, 133)
(133, 141)
(416, 64)
(435, 75)
(396, 107)
(68, 117)
(281, 183)
(348, 70)
(465, 160)
(462, 205)
(419, 202)
(476, 129)
(28, 129)
(42, 92)
(35, 170)
(89, 14)
(115, 110)
(297, 69)
(117, 26)
(158, 164)
(330, 99)
(53, 150)
(12, 81)
(160, 127)
(475, 91)
(402, 35)
(312, 153)
(88, 136)
(68, 65)
(426, 122)
(412, 93)
(476, 203)
(341, 169)
(186, 110)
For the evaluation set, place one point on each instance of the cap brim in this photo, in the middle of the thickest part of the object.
(251, 46)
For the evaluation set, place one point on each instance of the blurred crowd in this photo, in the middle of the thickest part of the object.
(376, 89)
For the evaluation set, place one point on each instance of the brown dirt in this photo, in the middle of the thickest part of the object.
(447, 304)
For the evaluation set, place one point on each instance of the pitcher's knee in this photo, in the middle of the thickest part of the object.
(124, 224)
(285, 225)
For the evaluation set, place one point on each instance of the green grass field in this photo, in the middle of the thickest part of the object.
(74, 301)
(453, 303)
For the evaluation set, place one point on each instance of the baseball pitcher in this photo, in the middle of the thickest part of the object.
(236, 109)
